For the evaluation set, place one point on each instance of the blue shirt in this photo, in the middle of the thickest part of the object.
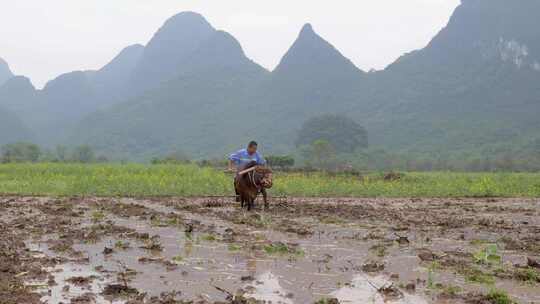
(242, 157)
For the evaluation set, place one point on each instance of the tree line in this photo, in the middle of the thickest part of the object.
(325, 143)
(320, 156)
(28, 152)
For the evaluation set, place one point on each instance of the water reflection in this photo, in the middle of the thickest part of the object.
(363, 289)
(267, 288)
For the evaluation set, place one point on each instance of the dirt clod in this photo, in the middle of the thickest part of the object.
(531, 262)
(321, 244)
(390, 292)
(116, 290)
(373, 267)
(87, 298)
(81, 281)
(427, 255)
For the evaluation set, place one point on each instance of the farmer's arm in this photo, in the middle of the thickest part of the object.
(234, 160)
(231, 165)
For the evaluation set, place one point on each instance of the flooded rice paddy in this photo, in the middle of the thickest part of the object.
(207, 250)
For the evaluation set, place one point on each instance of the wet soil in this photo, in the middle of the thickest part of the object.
(207, 250)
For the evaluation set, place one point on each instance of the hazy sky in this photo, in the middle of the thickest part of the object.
(44, 38)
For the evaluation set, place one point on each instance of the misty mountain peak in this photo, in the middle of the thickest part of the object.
(222, 41)
(220, 51)
(18, 83)
(187, 18)
(16, 93)
(307, 33)
(479, 31)
(169, 48)
(181, 27)
(307, 29)
(310, 51)
(3, 63)
(5, 72)
(134, 48)
(125, 61)
(69, 81)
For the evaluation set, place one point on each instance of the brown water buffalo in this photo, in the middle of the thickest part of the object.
(251, 180)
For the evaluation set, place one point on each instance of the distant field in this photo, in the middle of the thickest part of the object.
(188, 180)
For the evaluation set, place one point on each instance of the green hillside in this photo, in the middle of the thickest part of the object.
(12, 128)
(475, 87)
(194, 113)
(5, 72)
(473, 90)
(52, 112)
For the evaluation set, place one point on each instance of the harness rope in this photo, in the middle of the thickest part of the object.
(251, 176)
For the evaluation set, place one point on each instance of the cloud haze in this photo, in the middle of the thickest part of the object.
(42, 39)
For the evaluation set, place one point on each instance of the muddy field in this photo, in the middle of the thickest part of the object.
(206, 250)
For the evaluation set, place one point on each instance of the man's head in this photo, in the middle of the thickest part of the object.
(252, 147)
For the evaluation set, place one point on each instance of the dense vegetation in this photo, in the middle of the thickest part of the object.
(25, 152)
(471, 94)
(318, 156)
(344, 134)
(12, 128)
(192, 180)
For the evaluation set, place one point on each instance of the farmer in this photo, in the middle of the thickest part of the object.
(244, 156)
(240, 159)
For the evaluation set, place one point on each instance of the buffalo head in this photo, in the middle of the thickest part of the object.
(263, 176)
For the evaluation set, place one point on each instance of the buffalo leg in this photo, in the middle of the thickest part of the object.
(250, 203)
(265, 198)
(237, 198)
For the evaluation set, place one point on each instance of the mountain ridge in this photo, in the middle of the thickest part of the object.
(179, 36)
(5, 72)
(12, 129)
(425, 101)
(309, 48)
(473, 89)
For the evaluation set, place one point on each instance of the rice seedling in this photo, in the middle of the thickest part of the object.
(121, 244)
(140, 180)
(528, 275)
(234, 247)
(327, 301)
(209, 237)
(97, 216)
(496, 296)
(488, 255)
(475, 275)
(283, 249)
(178, 259)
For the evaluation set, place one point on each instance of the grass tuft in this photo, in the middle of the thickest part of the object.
(283, 249)
(139, 180)
(499, 297)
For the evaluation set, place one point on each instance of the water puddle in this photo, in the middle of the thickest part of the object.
(64, 290)
(267, 288)
(156, 248)
(364, 289)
